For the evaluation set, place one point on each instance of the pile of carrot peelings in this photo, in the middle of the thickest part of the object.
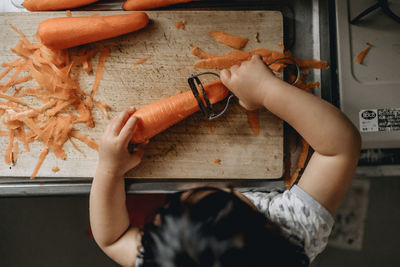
(236, 57)
(47, 111)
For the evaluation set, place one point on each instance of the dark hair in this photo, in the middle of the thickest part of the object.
(219, 230)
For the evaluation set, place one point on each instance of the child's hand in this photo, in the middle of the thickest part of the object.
(114, 156)
(248, 82)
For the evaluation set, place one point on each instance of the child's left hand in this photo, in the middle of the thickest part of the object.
(114, 157)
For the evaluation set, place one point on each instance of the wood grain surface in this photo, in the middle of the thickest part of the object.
(188, 149)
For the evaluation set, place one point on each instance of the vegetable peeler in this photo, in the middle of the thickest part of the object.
(204, 103)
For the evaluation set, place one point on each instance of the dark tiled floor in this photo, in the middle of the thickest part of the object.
(53, 231)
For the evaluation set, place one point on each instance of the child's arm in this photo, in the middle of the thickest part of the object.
(333, 137)
(108, 214)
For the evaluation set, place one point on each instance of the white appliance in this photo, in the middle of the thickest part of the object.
(370, 92)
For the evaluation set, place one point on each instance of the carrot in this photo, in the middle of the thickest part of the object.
(65, 32)
(253, 119)
(48, 5)
(360, 57)
(160, 115)
(42, 156)
(231, 40)
(180, 24)
(150, 4)
(139, 62)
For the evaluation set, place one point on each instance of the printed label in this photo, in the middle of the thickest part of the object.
(379, 120)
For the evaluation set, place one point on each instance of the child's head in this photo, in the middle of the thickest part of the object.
(212, 227)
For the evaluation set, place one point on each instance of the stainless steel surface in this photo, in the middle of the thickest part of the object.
(21, 189)
(302, 36)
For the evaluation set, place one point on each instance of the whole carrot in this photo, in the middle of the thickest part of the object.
(65, 32)
(47, 5)
(160, 115)
(150, 4)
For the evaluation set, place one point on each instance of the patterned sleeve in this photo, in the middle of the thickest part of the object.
(302, 219)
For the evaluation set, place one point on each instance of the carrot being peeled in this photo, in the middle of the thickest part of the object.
(65, 32)
(48, 5)
(231, 40)
(150, 4)
(160, 115)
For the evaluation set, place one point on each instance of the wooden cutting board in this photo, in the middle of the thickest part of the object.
(188, 149)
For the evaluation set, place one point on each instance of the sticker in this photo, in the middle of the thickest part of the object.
(379, 120)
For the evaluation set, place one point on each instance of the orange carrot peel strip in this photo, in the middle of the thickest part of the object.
(253, 118)
(360, 57)
(40, 162)
(231, 40)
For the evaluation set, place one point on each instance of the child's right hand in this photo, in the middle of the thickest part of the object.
(114, 157)
(248, 82)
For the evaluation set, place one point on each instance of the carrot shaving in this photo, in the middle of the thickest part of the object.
(40, 162)
(180, 24)
(13, 99)
(196, 51)
(253, 119)
(74, 145)
(9, 147)
(300, 164)
(85, 139)
(61, 101)
(212, 126)
(5, 72)
(99, 74)
(281, 46)
(231, 40)
(21, 135)
(139, 62)
(68, 13)
(360, 57)
(55, 169)
(14, 154)
(103, 107)
(217, 161)
(223, 62)
(12, 79)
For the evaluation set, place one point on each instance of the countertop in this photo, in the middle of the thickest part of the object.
(307, 34)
